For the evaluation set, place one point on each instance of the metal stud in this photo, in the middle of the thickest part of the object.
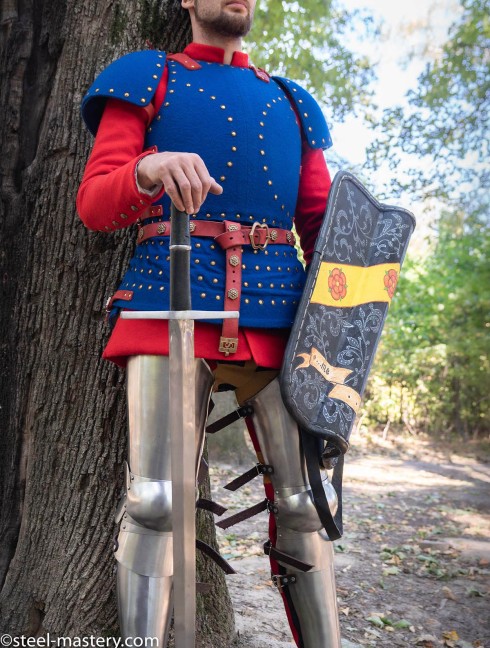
(234, 260)
(161, 228)
(192, 227)
(233, 293)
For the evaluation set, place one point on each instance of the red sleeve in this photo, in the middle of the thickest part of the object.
(314, 187)
(108, 197)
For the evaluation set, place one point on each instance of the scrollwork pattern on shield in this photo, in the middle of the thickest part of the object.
(361, 233)
(346, 338)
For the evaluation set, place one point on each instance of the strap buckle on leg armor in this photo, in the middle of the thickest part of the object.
(283, 580)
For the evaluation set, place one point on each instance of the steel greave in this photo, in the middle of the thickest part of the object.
(313, 594)
(145, 543)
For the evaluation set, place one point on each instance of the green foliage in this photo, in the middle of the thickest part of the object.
(446, 122)
(432, 366)
(307, 42)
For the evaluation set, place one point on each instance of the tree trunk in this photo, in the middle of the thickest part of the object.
(62, 410)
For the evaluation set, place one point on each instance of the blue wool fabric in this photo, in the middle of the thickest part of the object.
(246, 131)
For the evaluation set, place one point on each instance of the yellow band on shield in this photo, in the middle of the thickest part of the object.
(346, 285)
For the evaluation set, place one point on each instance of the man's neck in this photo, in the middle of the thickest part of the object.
(229, 45)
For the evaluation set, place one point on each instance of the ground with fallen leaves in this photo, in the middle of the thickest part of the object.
(413, 565)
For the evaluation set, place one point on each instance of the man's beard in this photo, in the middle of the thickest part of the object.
(234, 25)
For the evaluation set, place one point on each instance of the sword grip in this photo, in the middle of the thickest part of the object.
(180, 261)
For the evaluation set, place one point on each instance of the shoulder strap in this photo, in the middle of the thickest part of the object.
(309, 112)
(133, 78)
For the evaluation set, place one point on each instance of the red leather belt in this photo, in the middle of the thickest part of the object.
(258, 235)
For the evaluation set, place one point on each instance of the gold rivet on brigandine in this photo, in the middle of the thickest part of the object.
(126, 94)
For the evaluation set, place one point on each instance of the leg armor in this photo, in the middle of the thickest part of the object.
(295, 529)
(144, 546)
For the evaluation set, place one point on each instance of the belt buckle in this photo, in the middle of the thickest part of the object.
(259, 246)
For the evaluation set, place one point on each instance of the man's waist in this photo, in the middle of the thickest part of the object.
(227, 234)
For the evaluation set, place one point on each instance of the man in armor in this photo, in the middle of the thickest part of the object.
(242, 153)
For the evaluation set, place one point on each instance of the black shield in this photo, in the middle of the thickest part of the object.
(351, 280)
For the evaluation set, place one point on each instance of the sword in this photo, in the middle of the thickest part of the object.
(182, 416)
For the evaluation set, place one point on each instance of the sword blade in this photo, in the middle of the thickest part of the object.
(182, 417)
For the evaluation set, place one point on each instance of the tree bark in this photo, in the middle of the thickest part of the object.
(62, 409)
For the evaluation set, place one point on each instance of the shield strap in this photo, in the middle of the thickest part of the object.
(332, 523)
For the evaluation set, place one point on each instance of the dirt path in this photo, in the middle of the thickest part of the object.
(412, 568)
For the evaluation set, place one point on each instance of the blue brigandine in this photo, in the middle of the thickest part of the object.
(133, 78)
(312, 119)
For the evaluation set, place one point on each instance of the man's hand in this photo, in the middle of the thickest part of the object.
(184, 176)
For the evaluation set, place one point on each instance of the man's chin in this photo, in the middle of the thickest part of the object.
(229, 23)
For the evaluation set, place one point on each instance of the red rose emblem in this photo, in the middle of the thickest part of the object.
(337, 284)
(390, 280)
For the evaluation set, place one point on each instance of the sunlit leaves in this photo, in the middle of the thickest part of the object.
(307, 42)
